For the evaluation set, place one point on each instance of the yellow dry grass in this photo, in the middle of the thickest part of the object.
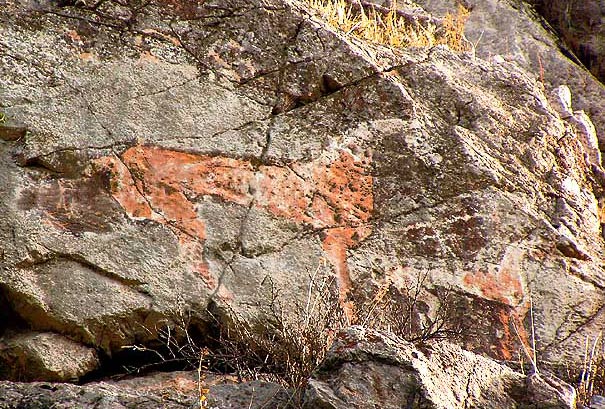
(392, 29)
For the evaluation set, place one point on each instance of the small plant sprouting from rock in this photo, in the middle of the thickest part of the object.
(202, 388)
(391, 27)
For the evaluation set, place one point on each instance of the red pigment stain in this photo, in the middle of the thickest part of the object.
(501, 286)
(333, 195)
(514, 333)
(507, 289)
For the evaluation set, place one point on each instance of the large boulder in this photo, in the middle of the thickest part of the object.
(32, 356)
(161, 159)
(367, 369)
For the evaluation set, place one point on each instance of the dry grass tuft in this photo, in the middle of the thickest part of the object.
(453, 30)
(392, 28)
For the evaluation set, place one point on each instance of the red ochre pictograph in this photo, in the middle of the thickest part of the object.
(332, 194)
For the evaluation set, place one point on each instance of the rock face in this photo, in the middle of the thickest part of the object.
(512, 30)
(581, 27)
(176, 390)
(31, 356)
(366, 369)
(162, 158)
(102, 395)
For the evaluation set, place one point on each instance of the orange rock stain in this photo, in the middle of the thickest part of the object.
(514, 333)
(502, 286)
(148, 57)
(332, 195)
(505, 288)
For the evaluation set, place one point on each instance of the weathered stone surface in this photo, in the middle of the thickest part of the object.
(597, 402)
(179, 154)
(512, 31)
(33, 356)
(161, 390)
(580, 24)
(364, 369)
(367, 369)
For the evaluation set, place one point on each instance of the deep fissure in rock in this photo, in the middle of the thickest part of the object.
(577, 24)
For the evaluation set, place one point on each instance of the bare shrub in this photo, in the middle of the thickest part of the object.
(293, 342)
(403, 312)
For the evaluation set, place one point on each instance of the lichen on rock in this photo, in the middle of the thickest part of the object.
(178, 157)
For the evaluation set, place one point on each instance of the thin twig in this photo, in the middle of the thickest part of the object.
(533, 333)
(525, 349)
